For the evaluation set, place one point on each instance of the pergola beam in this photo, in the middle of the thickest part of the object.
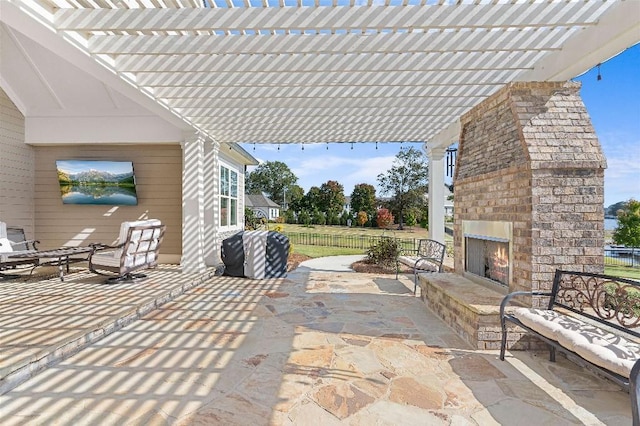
(268, 92)
(306, 119)
(342, 101)
(437, 77)
(329, 18)
(476, 61)
(328, 111)
(478, 40)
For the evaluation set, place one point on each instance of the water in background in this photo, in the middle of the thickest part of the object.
(610, 224)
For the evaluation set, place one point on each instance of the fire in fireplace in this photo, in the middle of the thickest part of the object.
(488, 258)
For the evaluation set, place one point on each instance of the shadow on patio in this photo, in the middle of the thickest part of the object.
(315, 348)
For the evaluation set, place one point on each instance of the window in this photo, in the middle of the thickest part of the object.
(228, 197)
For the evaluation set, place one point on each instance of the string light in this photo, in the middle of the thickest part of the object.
(327, 146)
(303, 146)
(351, 145)
(278, 147)
(376, 145)
(599, 75)
(254, 146)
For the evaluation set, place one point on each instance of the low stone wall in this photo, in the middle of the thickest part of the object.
(472, 310)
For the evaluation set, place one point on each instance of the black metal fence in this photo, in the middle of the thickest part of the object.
(622, 256)
(614, 256)
(358, 242)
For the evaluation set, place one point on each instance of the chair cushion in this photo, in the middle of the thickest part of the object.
(105, 259)
(6, 246)
(609, 350)
(124, 230)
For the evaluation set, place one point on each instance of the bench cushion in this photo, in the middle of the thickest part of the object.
(597, 345)
(424, 264)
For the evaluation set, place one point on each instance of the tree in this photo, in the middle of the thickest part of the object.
(406, 181)
(628, 230)
(311, 199)
(331, 198)
(384, 218)
(362, 218)
(294, 197)
(363, 199)
(271, 177)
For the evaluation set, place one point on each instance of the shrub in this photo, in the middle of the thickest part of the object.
(304, 217)
(345, 218)
(290, 216)
(410, 219)
(384, 252)
(318, 218)
(333, 219)
(251, 222)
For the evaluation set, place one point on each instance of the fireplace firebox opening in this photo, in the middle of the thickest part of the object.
(488, 258)
(487, 251)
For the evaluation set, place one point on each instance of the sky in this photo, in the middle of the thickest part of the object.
(612, 102)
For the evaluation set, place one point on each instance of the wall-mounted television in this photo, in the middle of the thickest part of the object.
(97, 182)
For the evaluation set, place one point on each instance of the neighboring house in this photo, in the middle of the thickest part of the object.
(263, 207)
(448, 202)
(346, 207)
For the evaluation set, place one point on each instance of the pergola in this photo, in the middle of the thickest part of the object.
(320, 71)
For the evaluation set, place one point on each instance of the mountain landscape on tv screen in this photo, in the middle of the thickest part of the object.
(95, 177)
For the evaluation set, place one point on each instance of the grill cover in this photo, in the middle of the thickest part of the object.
(245, 254)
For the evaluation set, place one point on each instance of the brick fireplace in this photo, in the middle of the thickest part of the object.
(529, 156)
(530, 166)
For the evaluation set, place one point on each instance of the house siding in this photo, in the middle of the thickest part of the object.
(16, 169)
(158, 183)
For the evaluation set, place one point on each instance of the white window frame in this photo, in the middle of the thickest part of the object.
(226, 195)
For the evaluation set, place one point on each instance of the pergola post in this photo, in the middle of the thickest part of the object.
(212, 203)
(436, 156)
(193, 204)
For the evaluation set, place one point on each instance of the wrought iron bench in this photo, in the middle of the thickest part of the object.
(593, 319)
(427, 258)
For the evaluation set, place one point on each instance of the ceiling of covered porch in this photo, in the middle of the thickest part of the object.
(305, 71)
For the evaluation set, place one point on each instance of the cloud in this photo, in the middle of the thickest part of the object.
(348, 171)
(622, 176)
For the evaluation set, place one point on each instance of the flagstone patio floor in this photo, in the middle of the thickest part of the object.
(316, 348)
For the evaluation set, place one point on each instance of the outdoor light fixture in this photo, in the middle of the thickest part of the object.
(351, 145)
(599, 75)
(303, 146)
(376, 145)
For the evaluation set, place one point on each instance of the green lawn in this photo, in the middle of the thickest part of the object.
(409, 232)
(623, 271)
(320, 251)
